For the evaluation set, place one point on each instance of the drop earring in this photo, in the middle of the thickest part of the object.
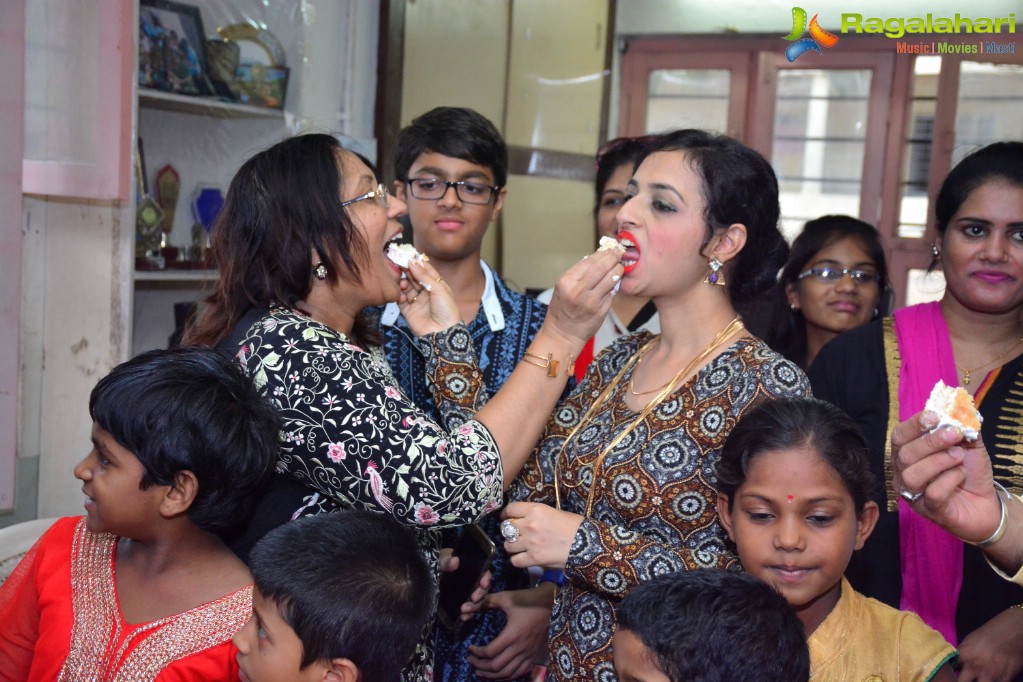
(935, 252)
(715, 276)
(320, 271)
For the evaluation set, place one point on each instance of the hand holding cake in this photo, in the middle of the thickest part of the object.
(403, 254)
(426, 303)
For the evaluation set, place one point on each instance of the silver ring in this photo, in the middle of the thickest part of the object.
(910, 497)
(509, 530)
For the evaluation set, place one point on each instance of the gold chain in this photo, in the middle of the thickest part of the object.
(966, 372)
(632, 379)
(731, 329)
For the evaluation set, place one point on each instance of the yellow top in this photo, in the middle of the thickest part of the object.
(863, 640)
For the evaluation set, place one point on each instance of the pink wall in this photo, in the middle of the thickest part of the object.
(12, 108)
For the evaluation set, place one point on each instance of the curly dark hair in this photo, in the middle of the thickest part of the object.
(739, 186)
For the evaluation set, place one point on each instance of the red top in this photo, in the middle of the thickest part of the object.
(60, 618)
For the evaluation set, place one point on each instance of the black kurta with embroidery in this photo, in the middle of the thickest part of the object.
(850, 372)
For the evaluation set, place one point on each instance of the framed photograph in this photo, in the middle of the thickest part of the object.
(172, 47)
(262, 85)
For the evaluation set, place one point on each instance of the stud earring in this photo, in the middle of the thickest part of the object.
(320, 271)
(715, 276)
(793, 307)
(935, 251)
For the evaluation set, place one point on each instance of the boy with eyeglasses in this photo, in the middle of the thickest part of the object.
(451, 167)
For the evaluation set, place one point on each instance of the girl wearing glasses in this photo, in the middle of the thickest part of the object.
(881, 374)
(835, 280)
(621, 488)
(300, 248)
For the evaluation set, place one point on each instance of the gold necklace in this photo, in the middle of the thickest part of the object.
(966, 372)
(731, 328)
(666, 390)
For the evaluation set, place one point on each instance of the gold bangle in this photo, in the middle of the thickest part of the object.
(548, 362)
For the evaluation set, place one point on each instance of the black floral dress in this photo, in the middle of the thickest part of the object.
(352, 440)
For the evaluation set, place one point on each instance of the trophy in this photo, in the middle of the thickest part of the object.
(148, 219)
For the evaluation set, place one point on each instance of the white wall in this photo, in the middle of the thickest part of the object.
(78, 254)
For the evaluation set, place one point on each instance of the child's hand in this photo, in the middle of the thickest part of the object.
(523, 641)
(449, 562)
(994, 651)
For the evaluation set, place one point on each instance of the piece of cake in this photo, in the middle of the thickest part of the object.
(954, 407)
(402, 254)
(610, 244)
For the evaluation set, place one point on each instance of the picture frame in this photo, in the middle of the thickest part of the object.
(172, 48)
(262, 85)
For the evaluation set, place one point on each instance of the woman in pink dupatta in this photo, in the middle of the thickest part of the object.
(881, 375)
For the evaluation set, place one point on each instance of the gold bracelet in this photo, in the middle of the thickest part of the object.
(548, 363)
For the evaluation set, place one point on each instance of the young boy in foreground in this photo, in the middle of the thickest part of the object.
(340, 597)
(182, 443)
(708, 626)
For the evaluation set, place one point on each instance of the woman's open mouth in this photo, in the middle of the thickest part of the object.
(631, 256)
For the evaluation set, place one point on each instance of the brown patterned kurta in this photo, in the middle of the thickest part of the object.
(654, 501)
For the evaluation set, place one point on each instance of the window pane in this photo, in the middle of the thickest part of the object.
(990, 106)
(688, 98)
(988, 109)
(918, 141)
(819, 128)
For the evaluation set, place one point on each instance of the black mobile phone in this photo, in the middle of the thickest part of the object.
(475, 551)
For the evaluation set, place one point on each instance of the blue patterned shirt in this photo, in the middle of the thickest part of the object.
(504, 327)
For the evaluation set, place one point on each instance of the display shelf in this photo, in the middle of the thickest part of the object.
(172, 275)
(203, 106)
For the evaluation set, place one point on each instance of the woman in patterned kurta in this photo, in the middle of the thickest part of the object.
(628, 459)
(300, 247)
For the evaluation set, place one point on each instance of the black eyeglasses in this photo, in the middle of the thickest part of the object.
(829, 274)
(432, 189)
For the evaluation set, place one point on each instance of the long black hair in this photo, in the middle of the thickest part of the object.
(739, 186)
(282, 205)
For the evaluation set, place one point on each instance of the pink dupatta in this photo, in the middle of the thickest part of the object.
(931, 559)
